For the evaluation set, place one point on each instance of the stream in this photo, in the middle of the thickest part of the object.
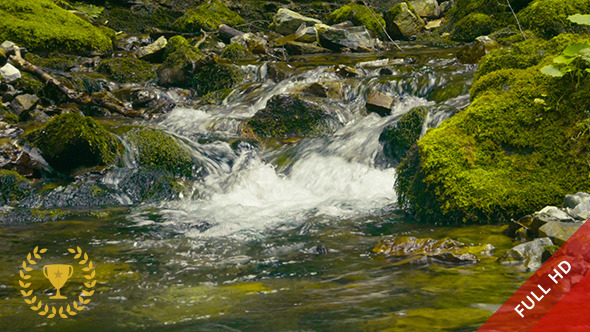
(280, 236)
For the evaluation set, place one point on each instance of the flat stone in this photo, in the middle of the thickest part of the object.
(449, 258)
(558, 231)
(23, 103)
(357, 39)
(9, 73)
(153, 51)
(529, 253)
(379, 102)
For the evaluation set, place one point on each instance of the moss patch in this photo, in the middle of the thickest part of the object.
(236, 51)
(127, 70)
(398, 138)
(473, 26)
(226, 76)
(13, 186)
(548, 18)
(42, 25)
(359, 15)
(511, 152)
(160, 150)
(208, 16)
(70, 141)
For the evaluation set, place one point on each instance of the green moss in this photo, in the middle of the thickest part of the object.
(208, 16)
(511, 152)
(141, 20)
(236, 51)
(464, 8)
(359, 15)
(180, 63)
(160, 150)
(56, 61)
(13, 186)
(42, 25)
(398, 138)
(127, 70)
(29, 84)
(473, 26)
(226, 76)
(70, 141)
(8, 116)
(548, 18)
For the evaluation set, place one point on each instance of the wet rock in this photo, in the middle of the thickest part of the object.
(153, 52)
(19, 159)
(252, 43)
(558, 231)
(426, 8)
(297, 48)
(13, 187)
(23, 103)
(286, 117)
(379, 102)
(402, 22)
(287, 21)
(208, 16)
(357, 39)
(9, 73)
(529, 254)
(571, 201)
(127, 70)
(236, 51)
(142, 97)
(279, 71)
(332, 90)
(149, 185)
(71, 140)
(83, 195)
(345, 71)
(179, 66)
(449, 258)
(400, 136)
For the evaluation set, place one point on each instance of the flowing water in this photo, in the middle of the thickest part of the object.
(276, 237)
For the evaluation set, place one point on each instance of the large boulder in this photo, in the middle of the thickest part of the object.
(359, 14)
(402, 22)
(571, 201)
(528, 254)
(208, 16)
(559, 231)
(357, 39)
(41, 25)
(70, 141)
(399, 137)
(426, 8)
(581, 211)
(287, 117)
(287, 21)
(473, 26)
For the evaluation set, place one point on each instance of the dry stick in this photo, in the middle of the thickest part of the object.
(515, 17)
(79, 98)
(382, 27)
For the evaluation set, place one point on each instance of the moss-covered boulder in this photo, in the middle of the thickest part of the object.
(70, 141)
(181, 60)
(520, 146)
(127, 70)
(473, 26)
(236, 51)
(399, 137)
(13, 186)
(359, 15)
(287, 117)
(208, 17)
(226, 76)
(548, 18)
(42, 25)
(402, 22)
(157, 149)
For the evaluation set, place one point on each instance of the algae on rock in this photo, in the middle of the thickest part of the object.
(359, 15)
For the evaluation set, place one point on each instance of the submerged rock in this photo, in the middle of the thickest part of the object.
(529, 254)
(297, 48)
(70, 141)
(287, 21)
(402, 22)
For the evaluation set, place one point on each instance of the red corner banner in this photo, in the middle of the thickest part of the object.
(556, 297)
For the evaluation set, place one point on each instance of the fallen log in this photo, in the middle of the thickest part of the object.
(79, 98)
(226, 33)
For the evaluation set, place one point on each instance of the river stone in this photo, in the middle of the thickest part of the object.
(297, 48)
(357, 39)
(449, 258)
(251, 42)
(379, 102)
(571, 201)
(8, 46)
(426, 8)
(154, 51)
(9, 73)
(558, 231)
(529, 253)
(332, 90)
(402, 22)
(287, 21)
(310, 35)
(23, 103)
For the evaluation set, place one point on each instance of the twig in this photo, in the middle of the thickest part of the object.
(203, 39)
(382, 27)
(515, 17)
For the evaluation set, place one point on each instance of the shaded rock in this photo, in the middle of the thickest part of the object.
(445, 6)
(473, 26)
(434, 24)
(402, 22)
(345, 71)
(471, 53)
(379, 102)
(226, 33)
(82, 194)
(71, 140)
(332, 90)
(287, 117)
(236, 51)
(297, 48)
(179, 66)
(581, 211)
(400, 136)
(287, 21)
(357, 39)
(426, 8)
(127, 70)
(449, 258)
(558, 231)
(529, 253)
(15, 157)
(571, 201)
(278, 71)
(149, 185)
(309, 35)
(251, 42)
(153, 52)
(226, 76)
(3, 57)
(142, 97)
(23, 103)
(13, 186)
(548, 251)
(9, 73)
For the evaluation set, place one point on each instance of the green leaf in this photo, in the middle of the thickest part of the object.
(552, 71)
(574, 49)
(580, 19)
(564, 59)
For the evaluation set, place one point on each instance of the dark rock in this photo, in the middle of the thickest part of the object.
(149, 185)
(3, 57)
(399, 137)
(529, 253)
(153, 52)
(13, 187)
(571, 201)
(379, 102)
(332, 90)
(279, 71)
(471, 53)
(449, 258)
(23, 103)
(548, 251)
(297, 48)
(226, 33)
(402, 22)
(252, 42)
(345, 71)
(142, 97)
(558, 231)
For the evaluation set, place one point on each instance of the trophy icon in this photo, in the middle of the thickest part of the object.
(58, 275)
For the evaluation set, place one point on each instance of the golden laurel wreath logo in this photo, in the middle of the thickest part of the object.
(58, 275)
